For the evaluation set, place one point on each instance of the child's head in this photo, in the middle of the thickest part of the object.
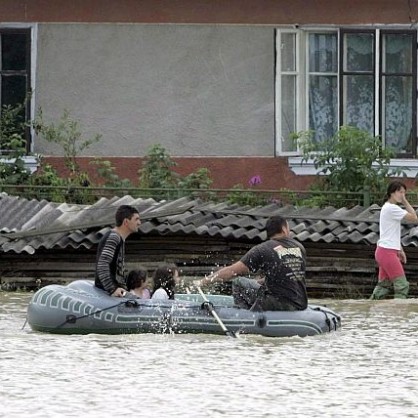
(136, 278)
(166, 276)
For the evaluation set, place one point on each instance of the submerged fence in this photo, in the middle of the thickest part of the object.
(250, 197)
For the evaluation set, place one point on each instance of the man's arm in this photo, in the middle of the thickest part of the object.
(225, 273)
(103, 264)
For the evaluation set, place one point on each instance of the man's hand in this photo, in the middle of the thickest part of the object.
(119, 293)
(402, 256)
(197, 283)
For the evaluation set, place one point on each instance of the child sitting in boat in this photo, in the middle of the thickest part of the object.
(137, 283)
(166, 277)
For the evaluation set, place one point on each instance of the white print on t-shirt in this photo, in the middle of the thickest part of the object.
(293, 260)
(283, 252)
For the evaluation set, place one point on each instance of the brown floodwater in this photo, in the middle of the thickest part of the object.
(368, 368)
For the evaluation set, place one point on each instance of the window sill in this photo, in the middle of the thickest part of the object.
(409, 166)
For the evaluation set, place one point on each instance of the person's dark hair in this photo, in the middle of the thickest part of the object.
(124, 212)
(275, 225)
(164, 277)
(136, 278)
(393, 187)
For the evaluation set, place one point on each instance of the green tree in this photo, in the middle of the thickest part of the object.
(106, 171)
(199, 179)
(350, 161)
(12, 145)
(67, 134)
(156, 172)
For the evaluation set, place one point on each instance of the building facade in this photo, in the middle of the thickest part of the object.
(221, 84)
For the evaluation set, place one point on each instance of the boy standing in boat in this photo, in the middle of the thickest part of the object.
(110, 258)
(281, 262)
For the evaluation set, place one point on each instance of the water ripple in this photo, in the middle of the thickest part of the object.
(369, 368)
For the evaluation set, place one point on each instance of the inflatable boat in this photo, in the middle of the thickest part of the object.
(82, 308)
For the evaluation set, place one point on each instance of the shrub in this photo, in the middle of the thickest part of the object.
(156, 172)
(350, 161)
(106, 171)
(46, 175)
(67, 134)
(12, 145)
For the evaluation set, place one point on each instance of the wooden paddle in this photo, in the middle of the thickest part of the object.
(212, 311)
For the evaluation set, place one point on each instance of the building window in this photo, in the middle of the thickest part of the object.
(288, 88)
(15, 72)
(398, 80)
(363, 78)
(322, 84)
(357, 77)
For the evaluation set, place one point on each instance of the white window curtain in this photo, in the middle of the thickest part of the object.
(358, 80)
(397, 88)
(323, 85)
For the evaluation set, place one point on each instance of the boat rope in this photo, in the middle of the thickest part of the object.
(72, 319)
(329, 321)
(131, 303)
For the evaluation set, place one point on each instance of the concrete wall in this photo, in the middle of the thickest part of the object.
(198, 90)
(196, 76)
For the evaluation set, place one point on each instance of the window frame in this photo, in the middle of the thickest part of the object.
(302, 99)
(299, 60)
(308, 74)
(380, 127)
(342, 73)
(27, 72)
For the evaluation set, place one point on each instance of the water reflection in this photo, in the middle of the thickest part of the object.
(369, 368)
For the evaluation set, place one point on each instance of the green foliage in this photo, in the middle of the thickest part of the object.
(156, 172)
(46, 175)
(199, 182)
(12, 128)
(252, 197)
(106, 172)
(286, 197)
(13, 172)
(199, 179)
(12, 145)
(241, 196)
(67, 134)
(249, 196)
(351, 161)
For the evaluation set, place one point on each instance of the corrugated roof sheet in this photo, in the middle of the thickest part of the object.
(28, 225)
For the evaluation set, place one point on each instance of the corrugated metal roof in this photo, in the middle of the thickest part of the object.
(28, 225)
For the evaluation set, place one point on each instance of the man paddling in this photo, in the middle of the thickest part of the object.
(110, 259)
(281, 262)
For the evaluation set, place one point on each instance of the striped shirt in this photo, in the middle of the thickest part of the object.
(110, 262)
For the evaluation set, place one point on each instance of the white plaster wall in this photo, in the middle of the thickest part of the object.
(197, 90)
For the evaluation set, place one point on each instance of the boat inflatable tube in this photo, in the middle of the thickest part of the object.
(82, 308)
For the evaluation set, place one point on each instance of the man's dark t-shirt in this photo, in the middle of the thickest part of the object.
(282, 263)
